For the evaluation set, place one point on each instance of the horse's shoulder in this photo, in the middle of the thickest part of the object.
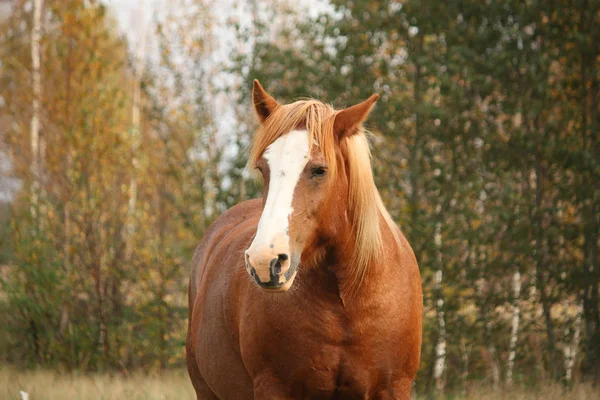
(232, 218)
(241, 217)
(244, 209)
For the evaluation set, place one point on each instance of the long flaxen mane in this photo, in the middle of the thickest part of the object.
(364, 202)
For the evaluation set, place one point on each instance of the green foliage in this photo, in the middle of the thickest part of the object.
(85, 291)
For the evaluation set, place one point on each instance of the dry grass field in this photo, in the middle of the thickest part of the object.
(47, 385)
(50, 385)
(547, 391)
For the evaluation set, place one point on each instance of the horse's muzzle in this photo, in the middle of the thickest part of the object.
(275, 274)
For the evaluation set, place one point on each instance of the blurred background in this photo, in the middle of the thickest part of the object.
(124, 129)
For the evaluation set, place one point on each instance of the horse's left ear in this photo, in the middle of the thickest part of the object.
(264, 103)
(348, 120)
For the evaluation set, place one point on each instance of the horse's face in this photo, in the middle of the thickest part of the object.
(296, 184)
(304, 205)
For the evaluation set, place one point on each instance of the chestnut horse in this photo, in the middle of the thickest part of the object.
(329, 305)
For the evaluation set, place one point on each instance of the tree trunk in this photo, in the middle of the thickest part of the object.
(36, 33)
(540, 251)
(135, 136)
(440, 348)
(571, 349)
(162, 292)
(516, 286)
(415, 155)
(35, 153)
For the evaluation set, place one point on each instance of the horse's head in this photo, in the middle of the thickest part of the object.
(302, 151)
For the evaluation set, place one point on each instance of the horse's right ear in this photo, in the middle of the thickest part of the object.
(264, 103)
(349, 119)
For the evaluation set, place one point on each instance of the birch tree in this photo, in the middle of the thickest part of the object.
(514, 333)
(571, 349)
(135, 130)
(35, 106)
(440, 348)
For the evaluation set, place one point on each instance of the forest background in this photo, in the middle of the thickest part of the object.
(123, 138)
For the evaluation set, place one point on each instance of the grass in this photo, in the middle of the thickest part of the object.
(544, 391)
(51, 385)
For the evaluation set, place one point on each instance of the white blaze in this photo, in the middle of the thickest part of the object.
(287, 157)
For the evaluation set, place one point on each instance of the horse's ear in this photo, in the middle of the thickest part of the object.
(348, 120)
(264, 104)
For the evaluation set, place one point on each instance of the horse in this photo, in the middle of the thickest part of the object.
(312, 291)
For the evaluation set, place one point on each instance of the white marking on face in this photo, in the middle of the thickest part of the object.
(287, 157)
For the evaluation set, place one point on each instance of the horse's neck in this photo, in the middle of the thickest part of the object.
(339, 261)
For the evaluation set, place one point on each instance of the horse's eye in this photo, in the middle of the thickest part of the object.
(319, 171)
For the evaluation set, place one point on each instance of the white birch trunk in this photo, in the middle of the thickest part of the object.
(516, 286)
(135, 135)
(440, 348)
(36, 33)
(571, 350)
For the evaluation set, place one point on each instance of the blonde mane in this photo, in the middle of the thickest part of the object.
(364, 202)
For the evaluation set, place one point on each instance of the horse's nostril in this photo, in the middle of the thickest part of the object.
(275, 266)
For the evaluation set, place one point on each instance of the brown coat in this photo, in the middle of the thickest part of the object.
(320, 338)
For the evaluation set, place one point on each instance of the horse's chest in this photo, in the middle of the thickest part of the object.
(334, 374)
(325, 354)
